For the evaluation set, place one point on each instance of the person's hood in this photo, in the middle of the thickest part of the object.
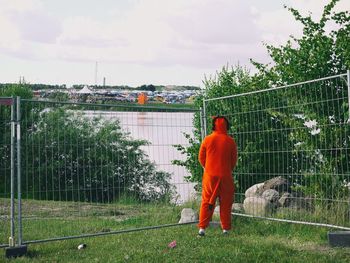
(220, 125)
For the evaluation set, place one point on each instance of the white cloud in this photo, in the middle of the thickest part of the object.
(37, 26)
(20, 5)
(200, 35)
(10, 39)
(87, 32)
(23, 22)
(215, 22)
(194, 33)
(277, 25)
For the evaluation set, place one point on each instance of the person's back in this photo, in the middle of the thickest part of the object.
(218, 156)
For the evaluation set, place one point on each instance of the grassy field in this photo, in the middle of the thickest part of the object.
(252, 240)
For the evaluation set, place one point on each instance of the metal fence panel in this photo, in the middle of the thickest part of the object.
(6, 170)
(91, 169)
(299, 136)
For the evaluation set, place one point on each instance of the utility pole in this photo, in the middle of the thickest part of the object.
(21, 80)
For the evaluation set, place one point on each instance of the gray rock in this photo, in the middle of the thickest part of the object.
(253, 190)
(279, 184)
(271, 195)
(292, 202)
(237, 208)
(285, 200)
(188, 215)
(257, 206)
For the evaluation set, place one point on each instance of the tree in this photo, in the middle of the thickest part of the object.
(316, 54)
(147, 87)
(58, 96)
(67, 156)
(77, 158)
(10, 90)
(228, 81)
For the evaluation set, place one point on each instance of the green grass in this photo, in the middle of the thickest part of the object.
(252, 240)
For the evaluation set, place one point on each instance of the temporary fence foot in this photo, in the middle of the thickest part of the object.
(17, 251)
(339, 238)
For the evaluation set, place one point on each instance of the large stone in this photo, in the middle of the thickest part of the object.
(188, 215)
(237, 208)
(285, 200)
(271, 195)
(279, 184)
(292, 202)
(257, 206)
(253, 190)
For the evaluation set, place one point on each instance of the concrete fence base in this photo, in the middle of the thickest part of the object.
(339, 238)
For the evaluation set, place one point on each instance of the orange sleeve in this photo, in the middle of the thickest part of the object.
(202, 153)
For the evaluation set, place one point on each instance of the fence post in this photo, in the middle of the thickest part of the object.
(19, 249)
(12, 237)
(15, 250)
(19, 181)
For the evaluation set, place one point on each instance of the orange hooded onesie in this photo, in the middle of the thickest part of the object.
(218, 156)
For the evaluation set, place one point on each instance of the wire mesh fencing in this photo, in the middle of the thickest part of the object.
(294, 150)
(6, 168)
(90, 169)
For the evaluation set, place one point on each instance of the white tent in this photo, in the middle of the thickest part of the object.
(85, 90)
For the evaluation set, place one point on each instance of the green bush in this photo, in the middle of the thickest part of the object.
(317, 53)
(75, 158)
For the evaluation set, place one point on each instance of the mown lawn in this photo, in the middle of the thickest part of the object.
(252, 240)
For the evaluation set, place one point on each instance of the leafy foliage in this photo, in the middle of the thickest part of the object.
(81, 159)
(266, 152)
(58, 96)
(12, 90)
(70, 157)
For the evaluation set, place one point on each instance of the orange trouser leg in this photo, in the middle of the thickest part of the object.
(226, 200)
(209, 194)
(205, 215)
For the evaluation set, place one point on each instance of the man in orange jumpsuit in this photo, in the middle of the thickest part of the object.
(218, 156)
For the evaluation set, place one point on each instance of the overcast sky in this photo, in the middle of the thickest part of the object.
(139, 42)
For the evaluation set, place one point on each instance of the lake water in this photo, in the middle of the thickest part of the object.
(162, 130)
